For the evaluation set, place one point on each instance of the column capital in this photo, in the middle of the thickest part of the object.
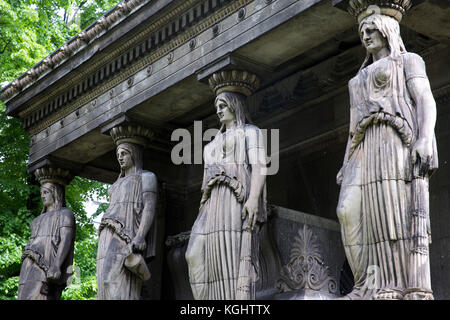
(132, 133)
(361, 9)
(125, 128)
(53, 174)
(239, 81)
(234, 71)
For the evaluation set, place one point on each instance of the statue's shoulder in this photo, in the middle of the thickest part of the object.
(353, 80)
(211, 143)
(66, 212)
(149, 181)
(413, 66)
(412, 60)
(67, 217)
(411, 56)
(251, 128)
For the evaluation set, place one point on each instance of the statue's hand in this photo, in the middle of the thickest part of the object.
(422, 151)
(53, 273)
(340, 176)
(138, 244)
(250, 208)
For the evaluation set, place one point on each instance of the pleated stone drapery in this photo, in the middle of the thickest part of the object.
(376, 207)
(222, 254)
(385, 198)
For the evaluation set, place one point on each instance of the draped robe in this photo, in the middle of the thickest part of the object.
(222, 254)
(375, 201)
(118, 228)
(40, 254)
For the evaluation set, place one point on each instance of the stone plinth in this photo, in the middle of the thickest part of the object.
(301, 257)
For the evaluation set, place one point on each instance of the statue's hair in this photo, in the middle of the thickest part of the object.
(58, 193)
(390, 30)
(136, 152)
(237, 104)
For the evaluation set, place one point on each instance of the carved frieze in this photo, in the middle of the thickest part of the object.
(75, 44)
(180, 26)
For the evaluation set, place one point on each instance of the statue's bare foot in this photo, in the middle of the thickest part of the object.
(388, 294)
(417, 294)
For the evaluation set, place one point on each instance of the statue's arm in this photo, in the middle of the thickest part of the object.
(353, 120)
(66, 233)
(258, 178)
(420, 91)
(149, 199)
(340, 175)
(257, 159)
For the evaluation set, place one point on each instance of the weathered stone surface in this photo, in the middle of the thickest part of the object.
(127, 233)
(304, 59)
(384, 209)
(48, 257)
(311, 254)
(222, 254)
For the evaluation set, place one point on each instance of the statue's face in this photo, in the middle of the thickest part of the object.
(47, 195)
(224, 112)
(372, 38)
(124, 158)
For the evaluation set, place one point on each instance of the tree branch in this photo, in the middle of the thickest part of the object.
(82, 3)
(4, 48)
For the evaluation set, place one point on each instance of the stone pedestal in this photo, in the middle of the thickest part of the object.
(311, 254)
(301, 258)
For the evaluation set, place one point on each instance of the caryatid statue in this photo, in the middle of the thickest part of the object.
(48, 256)
(127, 230)
(391, 153)
(222, 253)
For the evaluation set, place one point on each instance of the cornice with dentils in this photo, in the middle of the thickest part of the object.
(77, 43)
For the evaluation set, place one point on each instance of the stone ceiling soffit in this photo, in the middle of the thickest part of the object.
(233, 61)
(127, 119)
(51, 161)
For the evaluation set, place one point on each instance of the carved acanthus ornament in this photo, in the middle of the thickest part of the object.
(306, 268)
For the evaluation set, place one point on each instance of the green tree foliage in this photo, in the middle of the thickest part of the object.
(32, 29)
(29, 31)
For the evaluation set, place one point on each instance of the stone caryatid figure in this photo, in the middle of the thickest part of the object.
(127, 230)
(222, 253)
(47, 258)
(391, 152)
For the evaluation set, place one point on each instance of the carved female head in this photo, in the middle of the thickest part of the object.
(53, 196)
(129, 155)
(378, 25)
(234, 102)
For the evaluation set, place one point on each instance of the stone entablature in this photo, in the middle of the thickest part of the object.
(147, 78)
(79, 42)
(165, 30)
(160, 38)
